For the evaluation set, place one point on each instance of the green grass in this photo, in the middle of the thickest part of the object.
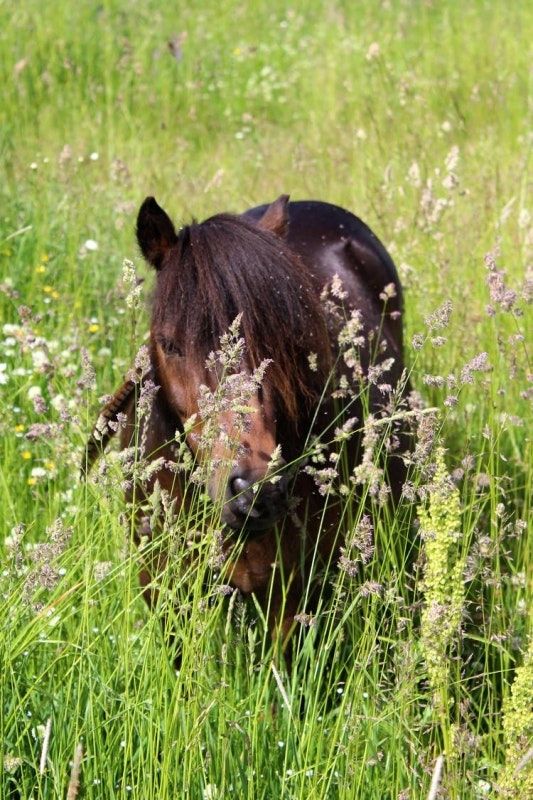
(416, 116)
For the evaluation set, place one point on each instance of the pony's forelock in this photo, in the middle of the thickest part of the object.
(225, 267)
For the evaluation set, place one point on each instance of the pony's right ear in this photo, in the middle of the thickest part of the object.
(155, 232)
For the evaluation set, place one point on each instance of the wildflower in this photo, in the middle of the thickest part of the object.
(478, 364)
(434, 380)
(91, 245)
(129, 277)
(440, 318)
(306, 620)
(94, 327)
(517, 781)
(74, 782)
(367, 472)
(389, 291)
(451, 400)
(362, 538)
(12, 763)
(499, 294)
(101, 569)
(443, 583)
(452, 159)
(336, 288)
(369, 588)
(37, 474)
(373, 52)
(39, 404)
(413, 175)
(41, 362)
(146, 398)
(43, 573)
(88, 379)
(359, 548)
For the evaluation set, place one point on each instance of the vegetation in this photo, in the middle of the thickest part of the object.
(410, 681)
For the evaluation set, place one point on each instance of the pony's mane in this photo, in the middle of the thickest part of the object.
(227, 266)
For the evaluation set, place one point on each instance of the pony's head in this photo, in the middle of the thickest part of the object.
(235, 322)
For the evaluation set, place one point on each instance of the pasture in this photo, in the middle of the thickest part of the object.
(410, 680)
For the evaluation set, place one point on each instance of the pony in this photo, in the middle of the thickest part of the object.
(275, 350)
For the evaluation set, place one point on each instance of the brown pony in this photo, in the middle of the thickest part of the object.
(279, 412)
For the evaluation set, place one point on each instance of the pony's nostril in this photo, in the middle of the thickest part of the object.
(239, 485)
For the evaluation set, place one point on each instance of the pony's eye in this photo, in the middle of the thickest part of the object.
(169, 347)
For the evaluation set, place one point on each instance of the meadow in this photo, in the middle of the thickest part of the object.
(411, 681)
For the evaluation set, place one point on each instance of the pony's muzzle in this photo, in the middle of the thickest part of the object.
(255, 505)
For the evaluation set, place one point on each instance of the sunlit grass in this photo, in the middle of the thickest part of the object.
(418, 118)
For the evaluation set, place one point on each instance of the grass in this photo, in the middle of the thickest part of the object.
(416, 116)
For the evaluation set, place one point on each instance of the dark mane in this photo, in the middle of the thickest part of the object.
(227, 266)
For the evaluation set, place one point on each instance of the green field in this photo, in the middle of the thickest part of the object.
(418, 117)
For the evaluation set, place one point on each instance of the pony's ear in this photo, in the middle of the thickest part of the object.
(276, 217)
(155, 232)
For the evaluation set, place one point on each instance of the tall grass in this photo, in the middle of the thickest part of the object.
(416, 116)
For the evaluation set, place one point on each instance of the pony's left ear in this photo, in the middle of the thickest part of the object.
(155, 232)
(276, 217)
